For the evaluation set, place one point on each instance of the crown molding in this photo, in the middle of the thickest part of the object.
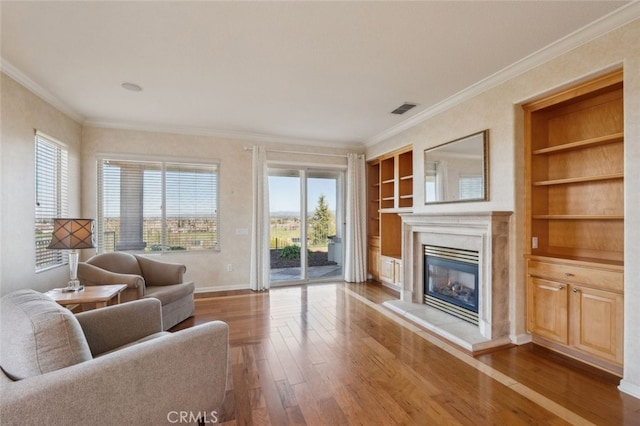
(39, 91)
(223, 134)
(607, 23)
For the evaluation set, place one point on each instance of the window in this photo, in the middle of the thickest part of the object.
(156, 206)
(470, 187)
(430, 180)
(50, 197)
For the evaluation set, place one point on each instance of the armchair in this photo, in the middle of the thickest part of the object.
(110, 366)
(145, 277)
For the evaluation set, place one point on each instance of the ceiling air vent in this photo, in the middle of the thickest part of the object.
(403, 108)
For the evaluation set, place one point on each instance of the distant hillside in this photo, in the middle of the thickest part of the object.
(292, 214)
(283, 214)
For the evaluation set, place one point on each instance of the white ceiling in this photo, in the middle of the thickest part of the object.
(308, 72)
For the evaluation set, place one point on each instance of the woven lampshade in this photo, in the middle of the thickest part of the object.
(72, 234)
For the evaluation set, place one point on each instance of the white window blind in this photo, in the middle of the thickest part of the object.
(471, 187)
(50, 197)
(153, 206)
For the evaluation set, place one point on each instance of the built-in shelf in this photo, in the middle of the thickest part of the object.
(574, 216)
(390, 191)
(602, 140)
(579, 179)
(577, 217)
(577, 260)
(397, 210)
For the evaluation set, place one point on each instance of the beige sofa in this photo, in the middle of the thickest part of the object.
(145, 277)
(109, 366)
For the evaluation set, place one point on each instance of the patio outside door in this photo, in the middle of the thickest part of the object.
(306, 218)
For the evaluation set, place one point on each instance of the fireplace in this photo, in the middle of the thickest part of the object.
(451, 281)
(483, 240)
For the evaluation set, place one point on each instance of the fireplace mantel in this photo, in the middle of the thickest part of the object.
(485, 232)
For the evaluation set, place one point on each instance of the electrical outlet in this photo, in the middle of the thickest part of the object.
(229, 267)
(534, 242)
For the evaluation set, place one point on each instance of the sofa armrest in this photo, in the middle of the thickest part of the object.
(143, 384)
(92, 275)
(157, 273)
(114, 326)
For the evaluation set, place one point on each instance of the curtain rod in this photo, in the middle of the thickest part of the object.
(246, 148)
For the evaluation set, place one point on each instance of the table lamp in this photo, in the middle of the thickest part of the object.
(72, 234)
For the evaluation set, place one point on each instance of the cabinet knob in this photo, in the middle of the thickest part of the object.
(568, 274)
(576, 289)
(561, 287)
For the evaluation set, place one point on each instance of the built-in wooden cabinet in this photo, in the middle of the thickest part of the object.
(548, 309)
(373, 259)
(577, 308)
(389, 192)
(597, 319)
(405, 180)
(390, 270)
(574, 181)
(373, 200)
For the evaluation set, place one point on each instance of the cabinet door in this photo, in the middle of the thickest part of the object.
(387, 269)
(397, 266)
(374, 261)
(597, 322)
(547, 309)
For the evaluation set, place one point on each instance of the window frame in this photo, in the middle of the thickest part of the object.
(57, 165)
(164, 164)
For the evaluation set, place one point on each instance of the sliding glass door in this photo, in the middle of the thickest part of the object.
(285, 230)
(306, 216)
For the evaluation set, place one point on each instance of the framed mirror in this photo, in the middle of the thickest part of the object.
(457, 171)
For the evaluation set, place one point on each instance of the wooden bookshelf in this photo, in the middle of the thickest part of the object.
(574, 199)
(390, 191)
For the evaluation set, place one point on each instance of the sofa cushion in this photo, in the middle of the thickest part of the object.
(144, 339)
(120, 262)
(38, 336)
(170, 293)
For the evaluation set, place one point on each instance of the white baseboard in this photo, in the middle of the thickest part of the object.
(222, 288)
(629, 388)
(521, 339)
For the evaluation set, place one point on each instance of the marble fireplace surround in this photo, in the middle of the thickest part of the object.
(486, 232)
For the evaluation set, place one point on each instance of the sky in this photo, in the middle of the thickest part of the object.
(284, 193)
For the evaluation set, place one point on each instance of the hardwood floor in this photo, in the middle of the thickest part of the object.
(329, 354)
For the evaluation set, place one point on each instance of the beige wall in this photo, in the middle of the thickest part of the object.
(498, 110)
(22, 113)
(207, 269)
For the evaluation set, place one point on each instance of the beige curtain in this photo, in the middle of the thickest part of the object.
(355, 262)
(260, 258)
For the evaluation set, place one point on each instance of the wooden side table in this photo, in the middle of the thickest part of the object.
(98, 294)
